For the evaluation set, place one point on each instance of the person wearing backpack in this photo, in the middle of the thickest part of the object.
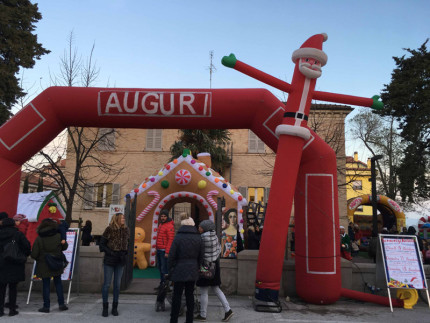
(11, 271)
(49, 242)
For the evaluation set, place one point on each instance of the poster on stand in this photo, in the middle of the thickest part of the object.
(402, 262)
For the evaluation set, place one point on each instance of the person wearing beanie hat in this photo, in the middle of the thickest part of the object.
(211, 260)
(11, 273)
(21, 223)
(185, 258)
(165, 236)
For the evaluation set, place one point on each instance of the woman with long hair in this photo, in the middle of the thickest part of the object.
(114, 243)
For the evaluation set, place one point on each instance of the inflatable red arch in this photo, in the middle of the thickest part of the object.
(305, 167)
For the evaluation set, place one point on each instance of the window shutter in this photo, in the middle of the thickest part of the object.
(116, 193)
(149, 138)
(252, 142)
(107, 139)
(153, 139)
(157, 138)
(266, 194)
(260, 145)
(88, 196)
(244, 191)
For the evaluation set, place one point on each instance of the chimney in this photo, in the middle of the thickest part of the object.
(369, 165)
(205, 158)
(355, 156)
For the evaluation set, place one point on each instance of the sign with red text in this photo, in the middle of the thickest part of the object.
(402, 260)
(155, 104)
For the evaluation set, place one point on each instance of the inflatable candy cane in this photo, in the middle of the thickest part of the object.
(211, 200)
(150, 205)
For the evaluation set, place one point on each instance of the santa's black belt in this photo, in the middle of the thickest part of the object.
(296, 115)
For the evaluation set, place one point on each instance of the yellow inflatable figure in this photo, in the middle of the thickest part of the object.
(140, 248)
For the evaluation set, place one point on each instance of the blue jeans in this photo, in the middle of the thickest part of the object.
(116, 272)
(46, 291)
(162, 264)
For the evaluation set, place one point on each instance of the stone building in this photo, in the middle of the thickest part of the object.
(142, 152)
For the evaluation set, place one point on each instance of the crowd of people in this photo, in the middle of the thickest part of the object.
(51, 240)
(187, 252)
(180, 259)
(351, 241)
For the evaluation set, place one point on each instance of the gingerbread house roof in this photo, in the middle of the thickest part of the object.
(199, 169)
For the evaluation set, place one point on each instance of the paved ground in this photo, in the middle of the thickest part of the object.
(140, 308)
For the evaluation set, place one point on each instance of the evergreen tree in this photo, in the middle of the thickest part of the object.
(213, 141)
(40, 185)
(407, 98)
(18, 49)
(25, 185)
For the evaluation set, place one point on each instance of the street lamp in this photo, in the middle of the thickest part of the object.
(374, 196)
(372, 179)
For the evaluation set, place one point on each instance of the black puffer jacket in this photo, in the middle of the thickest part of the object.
(186, 255)
(48, 241)
(9, 272)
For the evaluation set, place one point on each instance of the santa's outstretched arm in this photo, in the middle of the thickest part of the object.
(372, 102)
(232, 62)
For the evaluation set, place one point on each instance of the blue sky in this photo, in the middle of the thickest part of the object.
(166, 44)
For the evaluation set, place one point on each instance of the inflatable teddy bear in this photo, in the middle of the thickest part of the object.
(140, 248)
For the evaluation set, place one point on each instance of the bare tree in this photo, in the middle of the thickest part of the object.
(380, 137)
(328, 122)
(84, 148)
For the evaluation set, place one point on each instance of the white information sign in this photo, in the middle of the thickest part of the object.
(403, 265)
(72, 239)
(115, 208)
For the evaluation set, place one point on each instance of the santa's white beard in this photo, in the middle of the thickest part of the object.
(310, 71)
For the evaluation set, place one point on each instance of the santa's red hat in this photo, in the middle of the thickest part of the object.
(312, 48)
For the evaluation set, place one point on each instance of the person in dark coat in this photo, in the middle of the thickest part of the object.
(185, 258)
(254, 235)
(11, 273)
(412, 231)
(49, 242)
(86, 233)
(211, 256)
(114, 243)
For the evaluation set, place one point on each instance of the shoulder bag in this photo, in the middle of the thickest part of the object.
(12, 252)
(55, 262)
(207, 271)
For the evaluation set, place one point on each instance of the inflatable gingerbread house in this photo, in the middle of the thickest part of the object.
(185, 179)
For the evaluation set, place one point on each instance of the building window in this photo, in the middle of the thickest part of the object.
(107, 194)
(153, 139)
(106, 139)
(255, 144)
(88, 196)
(357, 185)
(256, 194)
